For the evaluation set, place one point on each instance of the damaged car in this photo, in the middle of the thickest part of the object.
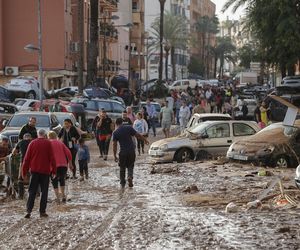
(277, 145)
(297, 178)
(207, 139)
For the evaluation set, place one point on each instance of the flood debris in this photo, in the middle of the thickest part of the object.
(165, 169)
(191, 189)
(231, 208)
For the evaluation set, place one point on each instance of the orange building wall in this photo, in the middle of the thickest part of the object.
(19, 22)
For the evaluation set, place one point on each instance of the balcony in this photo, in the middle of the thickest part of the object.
(111, 67)
(109, 32)
(110, 5)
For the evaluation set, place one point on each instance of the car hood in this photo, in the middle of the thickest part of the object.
(173, 142)
(260, 141)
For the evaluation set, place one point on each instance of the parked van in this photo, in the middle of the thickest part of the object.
(183, 84)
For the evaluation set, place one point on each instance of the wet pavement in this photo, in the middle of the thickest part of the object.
(159, 212)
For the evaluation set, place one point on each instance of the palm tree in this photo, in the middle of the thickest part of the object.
(206, 26)
(175, 37)
(223, 51)
(161, 34)
(80, 13)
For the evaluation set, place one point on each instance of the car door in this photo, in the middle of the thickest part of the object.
(217, 139)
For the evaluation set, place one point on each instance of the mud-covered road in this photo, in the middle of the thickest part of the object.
(159, 212)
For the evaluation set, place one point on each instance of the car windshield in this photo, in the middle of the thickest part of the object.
(288, 130)
(198, 128)
(96, 93)
(62, 117)
(19, 102)
(20, 120)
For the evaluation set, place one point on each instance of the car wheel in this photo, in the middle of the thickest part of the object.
(281, 162)
(184, 155)
(31, 95)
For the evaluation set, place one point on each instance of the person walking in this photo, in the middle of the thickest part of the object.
(198, 109)
(151, 116)
(184, 116)
(126, 120)
(40, 161)
(264, 115)
(130, 114)
(21, 148)
(29, 128)
(83, 159)
(257, 115)
(166, 118)
(63, 159)
(105, 127)
(123, 134)
(69, 136)
(141, 126)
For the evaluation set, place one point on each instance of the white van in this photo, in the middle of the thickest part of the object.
(183, 84)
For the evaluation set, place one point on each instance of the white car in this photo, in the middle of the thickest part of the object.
(198, 118)
(297, 178)
(25, 87)
(183, 84)
(25, 104)
(210, 138)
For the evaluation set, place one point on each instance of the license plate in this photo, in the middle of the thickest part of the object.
(240, 157)
(153, 152)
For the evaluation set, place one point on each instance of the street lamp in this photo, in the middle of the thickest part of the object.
(147, 56)
(32, 48)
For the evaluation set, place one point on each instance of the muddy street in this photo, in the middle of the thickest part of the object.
(172, 206)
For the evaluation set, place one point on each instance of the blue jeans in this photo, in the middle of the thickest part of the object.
(177, 116)
(152, 125)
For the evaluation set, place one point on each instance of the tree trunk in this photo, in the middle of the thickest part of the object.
(93, 50)
(215, 66)
(161, 36)
(208, 58)
(173, 63)
(80, 44)
(283, 71)
(167, 64)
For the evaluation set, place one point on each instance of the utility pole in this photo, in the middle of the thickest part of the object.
(80, 44)
(40, 52)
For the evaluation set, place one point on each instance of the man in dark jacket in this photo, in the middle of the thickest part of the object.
(29, 128)
(69, 136)
(40, 161)
(123, 134)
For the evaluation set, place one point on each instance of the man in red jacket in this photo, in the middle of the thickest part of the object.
(40, 161)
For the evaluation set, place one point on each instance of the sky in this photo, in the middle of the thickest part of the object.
(223, 16)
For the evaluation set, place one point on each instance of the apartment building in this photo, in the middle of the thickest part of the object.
(19, 28)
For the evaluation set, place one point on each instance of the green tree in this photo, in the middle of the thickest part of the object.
(223, 51)
(246, 55)
(196, 66)
(206, 26)
(276, 24)
(175, 37)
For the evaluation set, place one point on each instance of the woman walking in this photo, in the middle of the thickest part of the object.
(63, 159)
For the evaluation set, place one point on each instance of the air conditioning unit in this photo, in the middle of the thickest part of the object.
(11, 71)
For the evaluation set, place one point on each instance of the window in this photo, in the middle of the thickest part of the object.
(177, 84)
(186, 83)
(241, 129)
(135, 7)
(218, 131)
(105, 105)
(118, 108)
(18, 121)
(91, 105)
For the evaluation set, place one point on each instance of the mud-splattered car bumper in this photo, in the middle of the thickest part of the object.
(161, 156)
(297, 178)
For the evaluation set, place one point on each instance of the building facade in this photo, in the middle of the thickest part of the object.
(17, 29)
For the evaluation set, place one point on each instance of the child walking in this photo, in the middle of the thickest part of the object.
(83, 159)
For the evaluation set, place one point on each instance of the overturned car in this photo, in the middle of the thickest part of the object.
(276, 146)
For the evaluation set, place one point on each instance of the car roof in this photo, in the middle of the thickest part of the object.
(229, 121)
(156, 103)
(33, 113)
(205, 115)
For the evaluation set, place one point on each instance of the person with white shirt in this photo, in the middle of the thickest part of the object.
(141, 126)
(184, 116)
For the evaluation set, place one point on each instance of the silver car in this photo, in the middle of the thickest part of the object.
(210, 138)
